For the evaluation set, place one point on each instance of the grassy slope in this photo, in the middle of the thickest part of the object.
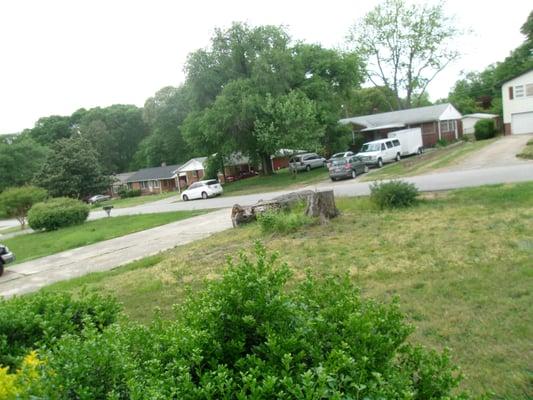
(41, 244)
(281, 180)
(527, 151)
(438, 158)
(135, 201)
(460, 264)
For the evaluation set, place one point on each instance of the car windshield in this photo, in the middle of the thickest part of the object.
(338, 155)
(370, 147)
(211, 182)
(339, 161)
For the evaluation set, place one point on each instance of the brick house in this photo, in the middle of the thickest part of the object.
(154, 180)
(192, 171)
(440, 121)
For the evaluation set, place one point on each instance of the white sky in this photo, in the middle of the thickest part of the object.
(60, 55)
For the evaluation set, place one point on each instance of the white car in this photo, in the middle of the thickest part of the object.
(202, 190)
(98, 198)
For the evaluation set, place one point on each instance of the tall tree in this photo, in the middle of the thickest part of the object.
(405, 47)
(72, 169)
(20, 161)
(48, 130)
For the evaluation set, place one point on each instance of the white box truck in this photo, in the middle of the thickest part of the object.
(410, 140)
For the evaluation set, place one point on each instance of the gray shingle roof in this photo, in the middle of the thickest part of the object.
(152, 174)
(410, 116)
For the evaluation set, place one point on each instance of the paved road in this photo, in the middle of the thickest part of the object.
(33, 275)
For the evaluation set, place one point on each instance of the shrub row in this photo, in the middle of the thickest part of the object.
(125, 193)
(248, 336)
(393, 194)
(484, 129)
(57, 213)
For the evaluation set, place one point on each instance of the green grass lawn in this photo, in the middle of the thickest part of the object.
(281, 180)
(527, 151)
(40, 244)
(432, 160)
(460, 263)
(134, 201)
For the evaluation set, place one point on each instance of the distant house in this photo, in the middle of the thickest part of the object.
(154, 180)
(192, 171)
(119, 181)
(440, 121)
(517, 98)
(469, 121)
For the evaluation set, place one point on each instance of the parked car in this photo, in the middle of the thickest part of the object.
(306, 162)
(98, 198)
(348, 167)
(338, 156)
(6, 257)
(202, 190)
(380, 151)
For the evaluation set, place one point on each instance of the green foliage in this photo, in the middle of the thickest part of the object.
(48, 130)
(125, 193)
(248, 336)
(442, 143)
(57, 213)
(283, 221)
(20, 160)
(16, 202)
(405, 46)
(214, 165)
(484, 129)
(72, 169)
(39, 320)
(393, 194)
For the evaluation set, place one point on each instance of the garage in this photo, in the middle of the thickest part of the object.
(522, 123)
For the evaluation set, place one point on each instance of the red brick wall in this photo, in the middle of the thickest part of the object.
(506, 129)
(429, 134)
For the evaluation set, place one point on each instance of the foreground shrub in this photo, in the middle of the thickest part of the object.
(16, 202)
(57, 213)
(393, 194)
(484, 129)
(41, 319)
(248, 336)
(126, 193)
(283, 221)
(22, 382)
(527, 152)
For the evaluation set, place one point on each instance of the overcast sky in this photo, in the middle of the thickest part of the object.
(60, 55)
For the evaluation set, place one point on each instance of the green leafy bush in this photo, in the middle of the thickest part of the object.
(283, 221)
(249, 336)
(442, 143)
(393, 194)
(41, 319)
(484, 129)
(57, 213)
(16, 202)
(126, 193)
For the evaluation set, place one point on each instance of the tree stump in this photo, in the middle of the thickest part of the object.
(244, 214)
(322, 205)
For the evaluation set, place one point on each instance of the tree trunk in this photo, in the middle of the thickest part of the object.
(267, 164)
(322, 205)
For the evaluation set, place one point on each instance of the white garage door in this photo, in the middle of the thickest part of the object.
(522, 123)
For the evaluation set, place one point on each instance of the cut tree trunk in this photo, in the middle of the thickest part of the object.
(322, 205)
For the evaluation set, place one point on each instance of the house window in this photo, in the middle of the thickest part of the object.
(511, 93)
(529, 89)
(519, 91)
(156, 184)
(143, 185)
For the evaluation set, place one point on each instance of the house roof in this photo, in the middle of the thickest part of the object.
(122, 178)
(153, 174)
(404, 117)
(194, 164)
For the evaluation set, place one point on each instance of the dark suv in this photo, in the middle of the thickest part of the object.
(5, 257)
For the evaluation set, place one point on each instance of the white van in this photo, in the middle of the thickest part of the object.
(380, 152)
(410, 140)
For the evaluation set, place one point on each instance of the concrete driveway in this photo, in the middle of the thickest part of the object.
(33, 275)
(498, 154)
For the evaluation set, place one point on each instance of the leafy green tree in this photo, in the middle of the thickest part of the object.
(16, 202)
(20, 161)
(48, 130)
(72, 169)
(405, 46)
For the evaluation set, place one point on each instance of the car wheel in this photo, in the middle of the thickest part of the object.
(333, 179)
(365, 170)
(354, 174)
(419, 151)
(1, 268)
(185, 197)
(308, 168)
(204, 195)
(398, 157)
(380, 163)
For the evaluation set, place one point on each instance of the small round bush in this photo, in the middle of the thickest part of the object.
(393, 194)
(57, 213)
(484, 129)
